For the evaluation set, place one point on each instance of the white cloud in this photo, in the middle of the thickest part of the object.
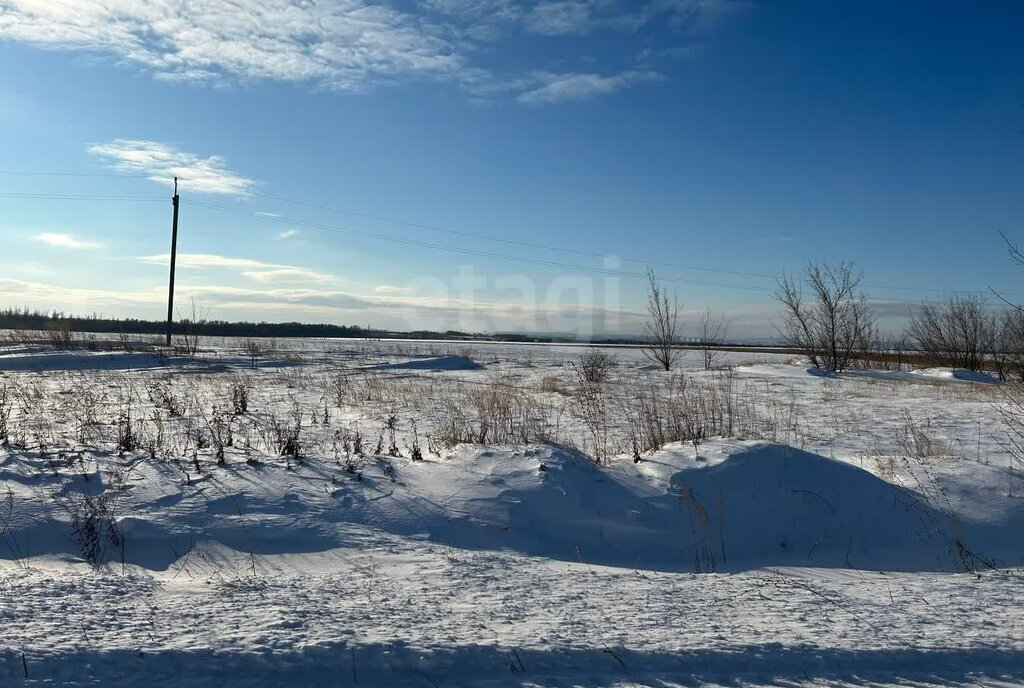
(557, 88)
(698, 17)
(162, 163)
(66, 241)
(393, 310)
(287, 234)
(476, 20)
(51, 296)
(288, 274)
(205, 260)
(345, 45)
(560, 17)
(567, 17)
(342, 44)
(247, 267)
(391, 289)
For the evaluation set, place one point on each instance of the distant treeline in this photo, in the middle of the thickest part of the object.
(26, 319)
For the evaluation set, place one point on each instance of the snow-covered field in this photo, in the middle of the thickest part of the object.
(377, 513)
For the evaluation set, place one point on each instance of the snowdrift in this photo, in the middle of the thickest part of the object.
(802, 371)
(440, 363)
(744, 506)
(36, 359)
(960, 374)
(51, 360)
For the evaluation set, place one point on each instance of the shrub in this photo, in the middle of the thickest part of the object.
(594, 366)
(94, 527)
(58, 334)
(239, 398)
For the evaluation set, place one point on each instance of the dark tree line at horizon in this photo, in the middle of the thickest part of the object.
(29, 319)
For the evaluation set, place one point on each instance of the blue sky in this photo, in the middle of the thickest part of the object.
(743, 138)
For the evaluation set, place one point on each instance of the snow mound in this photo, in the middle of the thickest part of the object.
(36, 360)
(744, 506)
(927, 375)
(783, 370)
(789, 370)
(961, 374)
(441, 363)
(754, 506)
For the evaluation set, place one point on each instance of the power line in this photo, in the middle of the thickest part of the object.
(502, 240)
(417, 225)
(21, 173)
(464, 251)
(513, 242)
(562, 249)
(578, 252)
(500, 256)
(78, 197)
(455, 232)
(485, 254)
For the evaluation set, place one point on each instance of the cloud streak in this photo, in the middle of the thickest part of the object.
(161, 163)
(397, 308)
(578, 17)
(558, 88)
(60, 240)
(247, 267)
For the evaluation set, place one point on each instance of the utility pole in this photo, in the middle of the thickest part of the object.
(174, 255)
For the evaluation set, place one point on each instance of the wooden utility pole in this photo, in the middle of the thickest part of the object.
(174, 255)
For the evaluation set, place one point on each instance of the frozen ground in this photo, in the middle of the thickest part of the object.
(380, 513)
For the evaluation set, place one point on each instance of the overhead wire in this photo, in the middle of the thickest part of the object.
(562, 249)
(455, 249)
(501, 256)
(79, 197)
(512, 242)
(454, 232)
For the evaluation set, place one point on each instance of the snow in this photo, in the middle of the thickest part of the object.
(50, 360)
(417, 616)
(863, 530)
(955, 374)
(800, 369)
(797, 370)
(434, 364)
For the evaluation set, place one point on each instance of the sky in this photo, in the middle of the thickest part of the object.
(494, 165)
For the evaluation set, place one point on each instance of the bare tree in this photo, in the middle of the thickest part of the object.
(188, 342)
(713, 329)
(835, 325)
(1008, 351)
(663, 327)
(1013, 409)
(1010, 344)
(961, 330)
